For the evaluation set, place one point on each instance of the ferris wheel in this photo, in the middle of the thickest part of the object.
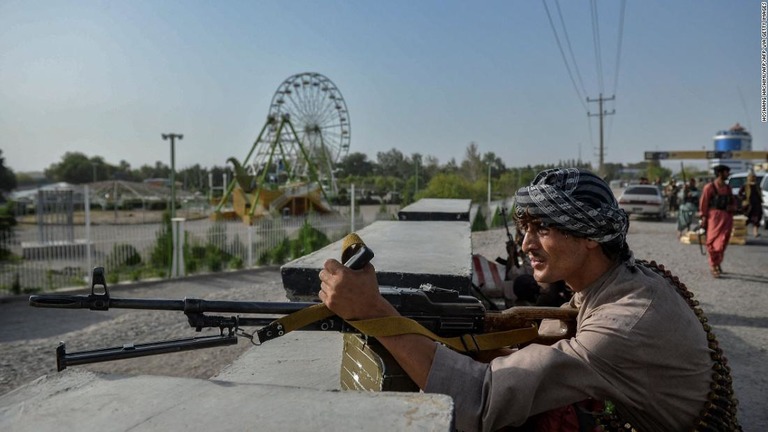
(317, 136)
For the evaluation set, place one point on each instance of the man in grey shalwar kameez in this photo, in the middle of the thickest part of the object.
(638, 344)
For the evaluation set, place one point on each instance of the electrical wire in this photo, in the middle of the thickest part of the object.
(562, 54)
(596, 41)
(622, 13)
(570, 49)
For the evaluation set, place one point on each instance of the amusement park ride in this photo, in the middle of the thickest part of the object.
(290, 167)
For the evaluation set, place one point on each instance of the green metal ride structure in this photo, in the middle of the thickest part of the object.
(290, 167)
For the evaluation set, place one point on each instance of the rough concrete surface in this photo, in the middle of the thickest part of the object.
(414, 253)
(84, 401)
(736, 306)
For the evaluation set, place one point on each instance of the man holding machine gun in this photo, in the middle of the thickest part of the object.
(638, 343)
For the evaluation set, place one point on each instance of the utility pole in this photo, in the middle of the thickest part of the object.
(601, 114)
(173, 137)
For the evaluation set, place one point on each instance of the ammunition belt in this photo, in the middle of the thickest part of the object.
(719, 412)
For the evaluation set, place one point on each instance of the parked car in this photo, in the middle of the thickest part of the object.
(737, 180)
(643, 200)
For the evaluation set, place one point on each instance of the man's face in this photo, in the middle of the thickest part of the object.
(554, 256)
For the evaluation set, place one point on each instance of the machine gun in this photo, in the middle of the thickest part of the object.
(441, 312)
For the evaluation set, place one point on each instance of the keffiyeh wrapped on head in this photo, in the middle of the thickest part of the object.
(576, 201)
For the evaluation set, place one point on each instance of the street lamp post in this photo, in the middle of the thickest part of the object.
(173, 137)
(489, 189)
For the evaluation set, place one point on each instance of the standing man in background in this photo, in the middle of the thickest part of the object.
(752, 202)
(717, 207)
(688, 207)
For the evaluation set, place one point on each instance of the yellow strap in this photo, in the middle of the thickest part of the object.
(304, 317)
(399, 325)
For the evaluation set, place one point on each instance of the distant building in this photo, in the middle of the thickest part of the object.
(162, 182)
(734, 139)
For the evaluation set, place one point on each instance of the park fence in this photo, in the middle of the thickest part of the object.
(49, 257)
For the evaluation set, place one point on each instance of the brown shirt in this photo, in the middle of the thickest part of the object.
(638, 344)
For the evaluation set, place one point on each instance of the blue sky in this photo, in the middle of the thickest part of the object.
(107, 78)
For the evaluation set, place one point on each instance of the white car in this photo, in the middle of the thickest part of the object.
(643, 200)
(737, 180)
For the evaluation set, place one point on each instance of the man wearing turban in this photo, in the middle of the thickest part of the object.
(638, 344)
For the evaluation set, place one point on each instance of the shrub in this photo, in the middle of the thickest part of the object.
(498, 220)
(123, 254)
(161, 253)
(113, 277)
(309, 240)
(276, 255)
(479, 223)
(236, 263)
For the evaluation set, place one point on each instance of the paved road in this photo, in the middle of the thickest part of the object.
(736, 305)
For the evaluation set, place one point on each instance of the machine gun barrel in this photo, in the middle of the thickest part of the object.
(104, 302)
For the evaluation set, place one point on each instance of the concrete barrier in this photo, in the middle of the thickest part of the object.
(408, 254)
(87, 402)
(436, 209)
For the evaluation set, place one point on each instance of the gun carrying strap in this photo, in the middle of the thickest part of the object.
(399, 325)
(393, 326)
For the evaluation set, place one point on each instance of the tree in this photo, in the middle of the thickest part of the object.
(393, 163)
(100, 170)
(7, 177)
(123, 172)
(453, 186)
(194, 178)
(75, 167)
(450, 167)
(7, 219)
(497, 165)
(7, 225)
(160, 170)
(472, 166)
(355, 164)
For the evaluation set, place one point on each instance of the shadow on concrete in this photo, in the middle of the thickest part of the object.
(745, 277)
(718, 319)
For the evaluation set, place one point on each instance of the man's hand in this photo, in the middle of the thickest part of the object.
(352, 294)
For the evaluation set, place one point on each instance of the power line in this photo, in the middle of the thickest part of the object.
(618, 48)
(596, 41)
(562, 54)
(570, 49)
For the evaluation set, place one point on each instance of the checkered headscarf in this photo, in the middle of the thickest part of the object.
(576, 201)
